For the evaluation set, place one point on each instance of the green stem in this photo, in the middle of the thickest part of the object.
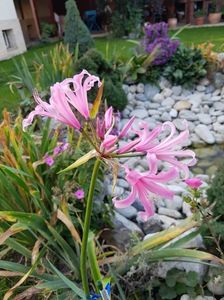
(89, 205)
(128, 155)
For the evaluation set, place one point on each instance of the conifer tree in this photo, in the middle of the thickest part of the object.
(75, 29)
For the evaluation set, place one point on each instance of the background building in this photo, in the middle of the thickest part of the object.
(11, 35)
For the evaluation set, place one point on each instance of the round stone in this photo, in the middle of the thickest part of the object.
(158, 98)
(177, 90)
(151, 91)
(140, 88)
(182, 104)
(200, 88)
(188, 115)
(220, 119)
(132, 89)
(140, 113)
(173, 113)
(205, 118)
(204, 133)
(168, 102)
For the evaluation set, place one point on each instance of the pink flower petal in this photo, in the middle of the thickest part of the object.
(108, 117)
(194, 183)
(125, 202)
(109, 142)
(126, 127)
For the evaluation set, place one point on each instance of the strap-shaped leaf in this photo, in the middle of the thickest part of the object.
(82, 160)
(68, 282)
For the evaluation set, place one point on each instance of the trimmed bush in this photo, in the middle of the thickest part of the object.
(94, 62)
(75, 29)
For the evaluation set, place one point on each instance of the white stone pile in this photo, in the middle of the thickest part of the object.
(202, 106)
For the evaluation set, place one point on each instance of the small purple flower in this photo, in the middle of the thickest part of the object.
(57, 150)
(79, 194)
(64, 147)
(49, 160)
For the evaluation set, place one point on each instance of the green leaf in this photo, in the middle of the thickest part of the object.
(164, 236)
(68, 282)
(82, 160)
(91, 248)
(141, 70)
(182, 241)
(167, 293)
(192, 279)
(52, 285)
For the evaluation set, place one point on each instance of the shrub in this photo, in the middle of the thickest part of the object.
(139, 68)
(186, 67)
(157, 39)
(215, 196)
(94, 62)
(75, 29)
(47, 30)
(127, 18)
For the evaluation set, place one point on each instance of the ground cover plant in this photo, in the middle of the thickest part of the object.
(186, 66)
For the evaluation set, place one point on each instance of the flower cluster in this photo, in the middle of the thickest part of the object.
(49, 159)
(68, 103)
(156, 38)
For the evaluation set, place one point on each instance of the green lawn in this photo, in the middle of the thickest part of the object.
(197, 36)
(110, 48)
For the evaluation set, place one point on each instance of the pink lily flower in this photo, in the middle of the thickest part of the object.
(63, 97)
(142, 184)
(165, 150)
(76, 88)
(194, 183)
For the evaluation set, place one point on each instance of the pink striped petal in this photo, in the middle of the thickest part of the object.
(126, 127)
(153, 163)
(127, 201)
(108, 117)
(128, 147)
(109, 142)
(146, 202)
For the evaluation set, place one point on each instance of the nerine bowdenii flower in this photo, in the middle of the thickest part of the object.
(68, 103)
(67, 97)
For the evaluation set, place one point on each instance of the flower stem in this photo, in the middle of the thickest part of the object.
(131, 154)
(89, 205)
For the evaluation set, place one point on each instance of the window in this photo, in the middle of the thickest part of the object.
(9, 38)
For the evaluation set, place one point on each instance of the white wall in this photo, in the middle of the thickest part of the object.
(7, 10)
(9, 21)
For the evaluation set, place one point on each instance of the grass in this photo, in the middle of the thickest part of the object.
(11, 100)
(195, 36)
(110, 48)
